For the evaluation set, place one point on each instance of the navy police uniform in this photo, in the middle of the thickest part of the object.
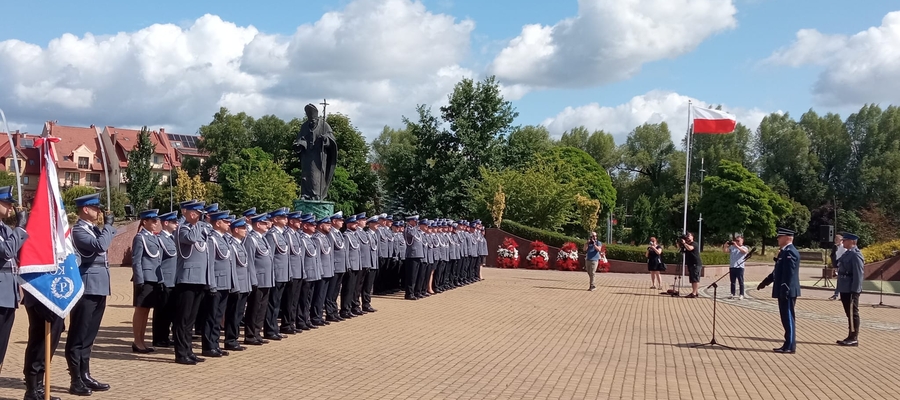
(786, 279)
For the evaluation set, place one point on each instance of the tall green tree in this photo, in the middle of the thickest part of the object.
(223, 139)
(140, 180)
(534, 196)
(524, 144)
(253, 179)
(785, 158)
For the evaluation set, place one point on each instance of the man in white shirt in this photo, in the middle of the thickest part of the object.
(836, 254)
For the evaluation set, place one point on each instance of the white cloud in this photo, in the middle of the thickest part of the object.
(373, 60)
(863, 68)
(609, 40)
(653, 107)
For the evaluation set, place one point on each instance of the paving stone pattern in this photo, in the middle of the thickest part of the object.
(517, 335)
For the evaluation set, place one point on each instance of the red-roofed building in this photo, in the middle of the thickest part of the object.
(79, 160)
(29, 161)
(184, 146)
(124, 140)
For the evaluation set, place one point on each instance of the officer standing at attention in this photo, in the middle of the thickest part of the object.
(11, 241)
(193, 278)
(399, 254)
(415, 250)
(786, 277)
(369, 284)
(240, 285)
(91, 243)
(164, 310)
(385, 241)
(282, 270)
(482, 248)
(365, 262)
(222, 262)
(332, 313)
(348, 287)
(849, 285)
(146, 259)
(290, 305)
(262, 279)
(323, 241)
(312, 269)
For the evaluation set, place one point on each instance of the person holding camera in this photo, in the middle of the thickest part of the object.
(592, 258)
(655, 264)
(737, 252)
(837, 251)
(691, 261)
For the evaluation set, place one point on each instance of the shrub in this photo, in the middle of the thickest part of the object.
(880, 251)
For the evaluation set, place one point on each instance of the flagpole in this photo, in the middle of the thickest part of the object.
(687, 183)
(12, 148)
(105, 170)
(47, 355)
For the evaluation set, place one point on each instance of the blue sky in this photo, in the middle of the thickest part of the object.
(726, 66)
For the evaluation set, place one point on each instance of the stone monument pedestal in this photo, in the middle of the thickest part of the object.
(319, 208)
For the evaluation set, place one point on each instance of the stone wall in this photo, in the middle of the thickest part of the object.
(120, 249)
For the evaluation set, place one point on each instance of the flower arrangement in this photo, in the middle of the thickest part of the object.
(538, 257)
(603, 264)
(508, 254)
(567, 258)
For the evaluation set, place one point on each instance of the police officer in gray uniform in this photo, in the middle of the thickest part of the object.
(332, 313)
(415, 251)
(278, 244)
(290, 323)
(348, 287)
(146, 257)
(221, 260)
(262, 280)
(455, 252)
(11, 241)
(91, 244)
(312, 268)
(482, 248)
(473, 253)
(398, 251)
(849, 285)
(240, 284)
(164, 311)
(323, 241)
(365, 262)
(193, 279)
(368, 286)
(385, 243)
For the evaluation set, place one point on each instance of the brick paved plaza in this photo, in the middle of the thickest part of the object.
(517, 335)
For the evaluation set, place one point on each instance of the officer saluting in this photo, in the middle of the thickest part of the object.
(786, 277)
(415, 251)
(10, 242)
(193, 278)
(849, 285)
(91, 243)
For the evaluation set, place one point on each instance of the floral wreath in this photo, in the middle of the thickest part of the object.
(508, 254)
(567, 258)
(603, 264)
(538, 257)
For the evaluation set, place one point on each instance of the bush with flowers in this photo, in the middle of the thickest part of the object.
(508, 254)
(538, 257)
(567, 258)
(603, 264)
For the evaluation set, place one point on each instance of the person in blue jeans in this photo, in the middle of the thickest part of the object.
(737, 251)
(592, 258)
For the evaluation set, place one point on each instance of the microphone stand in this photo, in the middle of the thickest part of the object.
(715, 287)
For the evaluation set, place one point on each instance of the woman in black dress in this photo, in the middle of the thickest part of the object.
(654, 263)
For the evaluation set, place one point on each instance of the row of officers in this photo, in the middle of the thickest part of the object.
(211, 274)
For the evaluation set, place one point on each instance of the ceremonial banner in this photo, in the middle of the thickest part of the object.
(48, 267)
(713, 121)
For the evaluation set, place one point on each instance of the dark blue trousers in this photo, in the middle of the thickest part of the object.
(789, 321)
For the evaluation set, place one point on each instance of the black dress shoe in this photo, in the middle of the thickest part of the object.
(135, 349)
(369, 309)
(356, 312)
(849, 342)
(410, 298)
(286, 331)
(264, 341)
(211, 353)
(346, 316)
(272, 337)
(185, 361)
(235, 348)
(785, 351)
(78, 388)
(197, 359)
(94, 384)
(332, 319)
(253, 342)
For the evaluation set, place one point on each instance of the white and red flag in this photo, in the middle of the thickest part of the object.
(712, 121)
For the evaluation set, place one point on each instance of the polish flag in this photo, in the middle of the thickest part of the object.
(712, 121)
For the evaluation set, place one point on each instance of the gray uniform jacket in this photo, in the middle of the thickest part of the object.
(428, 243)
(91, 244)
(850, 271)
(399, 245)
(353, 261)
(312, 266)
(415, 248)
(473, 245)
(482, 244)
(365, 248)
(169, 263)
(374, 248)
(453, 238)
(193, 256)
(279, 246)
(10, 243)
(261, 259)
(295, 258)
(340, 251)
(385, 241)
(326, 254)
(146, 258)
(242, 281)
(445, 246)
(221, 260)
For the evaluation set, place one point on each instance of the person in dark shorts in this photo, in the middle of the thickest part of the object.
(692, 262)
(655, 264)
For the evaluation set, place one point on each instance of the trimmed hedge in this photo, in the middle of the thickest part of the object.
(613, 252)
(880, 251)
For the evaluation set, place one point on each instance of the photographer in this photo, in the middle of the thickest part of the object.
(692, 261)
(655, 264)
(592, 257)
(737, 252)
